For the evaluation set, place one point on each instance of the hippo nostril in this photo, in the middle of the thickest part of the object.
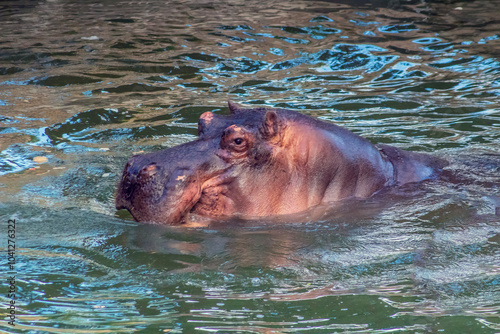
(148, 171)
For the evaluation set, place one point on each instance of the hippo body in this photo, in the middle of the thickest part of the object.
(262, 162)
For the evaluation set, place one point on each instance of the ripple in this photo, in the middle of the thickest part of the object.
(348, 57)
(181, 71)
(64, 80)
(10, 70)
(398, 28)
(85, 122)
(16, 158)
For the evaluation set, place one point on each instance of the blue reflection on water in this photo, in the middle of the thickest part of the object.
(350, 57)
(15, 158)
(398, 28)
(363, 23)
(427, 40)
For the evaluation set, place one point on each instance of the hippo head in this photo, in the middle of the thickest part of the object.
(199, 176)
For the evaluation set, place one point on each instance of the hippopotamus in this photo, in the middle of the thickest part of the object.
(261, 162)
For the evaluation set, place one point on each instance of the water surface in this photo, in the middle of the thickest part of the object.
(87, 84)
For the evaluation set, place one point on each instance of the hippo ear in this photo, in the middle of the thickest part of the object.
(270, 125)
(234, 108)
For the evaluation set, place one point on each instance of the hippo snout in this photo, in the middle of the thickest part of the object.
(157, 189)
(140, 182)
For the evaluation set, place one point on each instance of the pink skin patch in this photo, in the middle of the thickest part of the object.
(207, 117)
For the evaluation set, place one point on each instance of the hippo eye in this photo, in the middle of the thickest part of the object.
(238, 141)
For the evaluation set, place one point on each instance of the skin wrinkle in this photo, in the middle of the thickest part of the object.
(309, 156)
(288, 165)
(214, 200)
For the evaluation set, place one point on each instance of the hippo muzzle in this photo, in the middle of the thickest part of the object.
(164, 186)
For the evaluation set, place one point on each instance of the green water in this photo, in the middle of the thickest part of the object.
(86, 84)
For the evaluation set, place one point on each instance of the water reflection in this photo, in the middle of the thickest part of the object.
(86, 85)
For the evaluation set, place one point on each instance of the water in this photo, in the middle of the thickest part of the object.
(87, 84)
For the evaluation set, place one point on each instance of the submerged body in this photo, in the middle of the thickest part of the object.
(262, 162)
